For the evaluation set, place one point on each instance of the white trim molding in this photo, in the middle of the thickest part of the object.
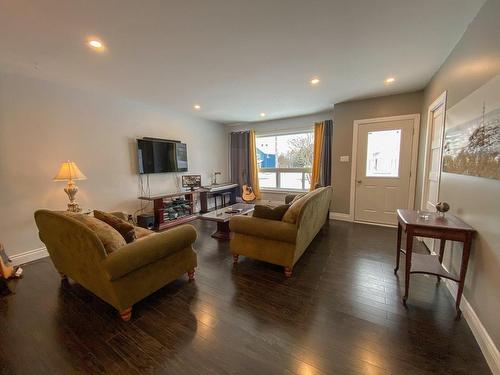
(340, 216)
(414, 157)
(440, 101)
(29, 256)
(490, 351)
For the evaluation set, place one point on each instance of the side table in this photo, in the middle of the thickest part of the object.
(448, 228)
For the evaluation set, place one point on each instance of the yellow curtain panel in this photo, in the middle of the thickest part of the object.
(254, 167)
(319, 128)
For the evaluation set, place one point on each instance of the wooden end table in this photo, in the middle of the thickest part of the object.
(445, 228)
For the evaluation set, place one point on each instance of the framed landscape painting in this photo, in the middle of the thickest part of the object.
(472, 135)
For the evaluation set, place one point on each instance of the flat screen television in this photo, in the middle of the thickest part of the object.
(161, 156)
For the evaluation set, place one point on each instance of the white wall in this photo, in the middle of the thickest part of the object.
(43, 123)
(291, 123)
(474, 61)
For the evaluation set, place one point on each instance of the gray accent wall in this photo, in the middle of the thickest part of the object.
(474, 61)
(344, 115)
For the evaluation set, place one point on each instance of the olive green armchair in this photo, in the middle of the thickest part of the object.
(125, 276)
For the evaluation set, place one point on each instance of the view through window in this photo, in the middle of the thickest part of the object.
(382, 156)
(285, 160)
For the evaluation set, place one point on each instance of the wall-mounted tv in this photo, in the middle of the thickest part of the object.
(161, 156)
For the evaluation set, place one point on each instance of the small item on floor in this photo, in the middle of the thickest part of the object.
(19, 272)
(6, 268)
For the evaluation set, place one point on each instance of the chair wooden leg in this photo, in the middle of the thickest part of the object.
(235, 259)
(191, 275)
(126, 314)
(288, 271)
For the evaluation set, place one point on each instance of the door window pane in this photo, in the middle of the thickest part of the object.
(382, 156)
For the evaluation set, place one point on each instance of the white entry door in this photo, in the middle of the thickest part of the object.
(433, 155)
(384, 161)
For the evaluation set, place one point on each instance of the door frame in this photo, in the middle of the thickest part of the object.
(413, 165)
(440, 101)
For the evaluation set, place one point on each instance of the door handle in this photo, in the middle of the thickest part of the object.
(359, 181)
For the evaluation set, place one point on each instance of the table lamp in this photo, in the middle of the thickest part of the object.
(70, 172)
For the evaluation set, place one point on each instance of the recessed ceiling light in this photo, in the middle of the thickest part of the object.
(314, 81)
(262, 114)
(197, 107)
(96, 44)
(390, 80)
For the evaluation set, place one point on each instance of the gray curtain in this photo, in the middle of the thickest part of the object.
(240, 162)
(325, 173)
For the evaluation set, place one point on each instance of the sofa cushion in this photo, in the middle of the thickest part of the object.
(269, 212)
(275, 230)
(123, 227)
(110, 238)
(142, 232)
(292, 214)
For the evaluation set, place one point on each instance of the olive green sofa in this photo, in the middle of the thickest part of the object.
(280, 242)
(128, 274)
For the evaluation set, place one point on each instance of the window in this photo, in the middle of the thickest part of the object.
(285, 160)
(382, 156)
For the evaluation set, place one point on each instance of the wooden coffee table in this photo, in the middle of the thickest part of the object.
(222, 216)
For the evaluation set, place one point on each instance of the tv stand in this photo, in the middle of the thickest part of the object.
(162, 220)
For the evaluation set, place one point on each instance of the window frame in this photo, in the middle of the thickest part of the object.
(278, 171)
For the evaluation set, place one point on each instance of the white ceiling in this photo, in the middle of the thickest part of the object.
(236, 58)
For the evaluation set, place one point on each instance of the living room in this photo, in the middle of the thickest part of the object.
(285, 98)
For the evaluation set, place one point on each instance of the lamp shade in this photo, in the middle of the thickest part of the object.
(69, 171)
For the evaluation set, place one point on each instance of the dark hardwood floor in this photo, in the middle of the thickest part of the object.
(340, 313)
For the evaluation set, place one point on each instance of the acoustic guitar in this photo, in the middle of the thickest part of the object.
(247, 194)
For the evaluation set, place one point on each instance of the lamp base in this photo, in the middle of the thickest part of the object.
(71, 190)
(74, 207)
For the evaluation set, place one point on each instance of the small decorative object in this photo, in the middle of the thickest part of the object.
(70, 172)
(6, 268)
(442, 208)
(424, 215)
(7, 271)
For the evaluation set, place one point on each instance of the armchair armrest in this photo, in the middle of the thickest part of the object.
(148, 250)
(265, 228)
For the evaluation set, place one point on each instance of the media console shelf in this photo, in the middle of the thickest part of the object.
(161, 203)
(164, 204)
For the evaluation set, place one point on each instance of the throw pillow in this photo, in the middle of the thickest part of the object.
(292, 214)
(110, 238)
(268, 212)
(297, 197)
(123, 227)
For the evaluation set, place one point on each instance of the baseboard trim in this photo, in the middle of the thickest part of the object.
(340, 216)
(376, 224)
(29, 256)
(490, 351)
